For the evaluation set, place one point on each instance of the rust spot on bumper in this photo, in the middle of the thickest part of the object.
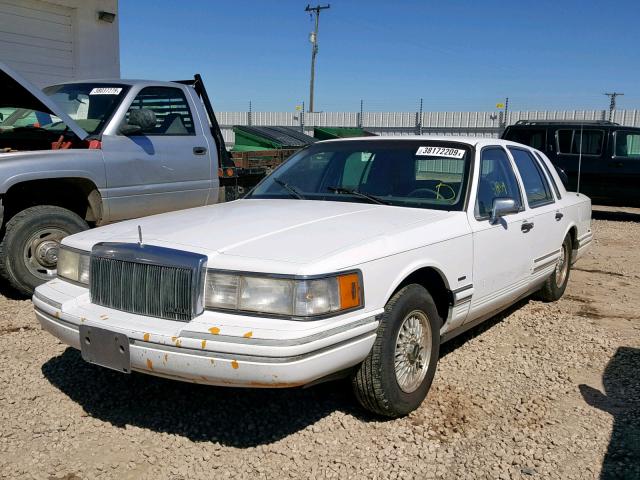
(204, 343)
(234, 364)
(149, 364)
(145, 337)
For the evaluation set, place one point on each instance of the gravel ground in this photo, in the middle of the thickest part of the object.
(542, 391)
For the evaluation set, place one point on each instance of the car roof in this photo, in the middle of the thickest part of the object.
(473, 141)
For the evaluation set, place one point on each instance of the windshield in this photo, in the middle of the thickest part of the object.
(408, 173)
(89, 104)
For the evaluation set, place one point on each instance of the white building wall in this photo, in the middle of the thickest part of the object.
(50, 41)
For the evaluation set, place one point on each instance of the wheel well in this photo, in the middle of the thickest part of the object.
(79, 195)
(432, 280)
(573, 233)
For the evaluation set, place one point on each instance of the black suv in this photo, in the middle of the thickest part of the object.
(610, 170)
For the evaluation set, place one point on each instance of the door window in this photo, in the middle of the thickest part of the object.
(533, 138)
(569, 141)
(549, 175)
(535, 185)
(627, 144)
(497, 180)
(173, 116)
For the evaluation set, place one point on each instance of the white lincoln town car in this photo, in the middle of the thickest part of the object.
(354, 258)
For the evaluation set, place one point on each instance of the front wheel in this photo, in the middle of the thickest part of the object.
(396, 375)
(556, 284)
(29, 249)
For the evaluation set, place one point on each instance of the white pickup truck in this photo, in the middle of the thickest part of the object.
(356, 257)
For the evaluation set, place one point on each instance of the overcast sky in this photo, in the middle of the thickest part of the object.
(455, 55)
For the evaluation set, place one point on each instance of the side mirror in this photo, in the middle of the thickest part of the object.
(140, 120)
(502, 207)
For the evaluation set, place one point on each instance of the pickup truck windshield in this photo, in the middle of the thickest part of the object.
(89, 104)
(408, 173)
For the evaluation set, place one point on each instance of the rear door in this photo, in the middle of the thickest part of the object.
(569, 142)
(167, 167)
(624, 167)
(545, 231)
(501, 257)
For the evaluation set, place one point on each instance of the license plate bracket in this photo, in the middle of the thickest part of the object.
(105, 348)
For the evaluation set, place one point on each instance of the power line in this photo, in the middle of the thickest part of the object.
(612, 103)
(314, 47)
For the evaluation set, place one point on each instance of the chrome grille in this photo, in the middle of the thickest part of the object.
(145, 287)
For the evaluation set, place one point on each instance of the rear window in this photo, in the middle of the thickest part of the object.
(535, 185)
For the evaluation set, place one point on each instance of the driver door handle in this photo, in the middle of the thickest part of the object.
(199, 150)
(526, 226)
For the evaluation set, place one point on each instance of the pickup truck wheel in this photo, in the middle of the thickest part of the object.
(556, 284)
(396, 375)
(29, 249)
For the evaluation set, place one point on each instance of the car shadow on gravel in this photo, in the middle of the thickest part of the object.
(621, 399)
(231, 416)
(615, 216)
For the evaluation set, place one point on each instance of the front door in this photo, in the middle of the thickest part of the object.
(624, 167)
(166, 167)
(501, 256)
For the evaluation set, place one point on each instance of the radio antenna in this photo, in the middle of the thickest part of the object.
(579, 160)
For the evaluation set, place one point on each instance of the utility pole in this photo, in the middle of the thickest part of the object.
(612, 104)
(314, 47)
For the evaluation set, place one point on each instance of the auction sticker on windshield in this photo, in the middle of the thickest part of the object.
(105, 91)
(441, 152)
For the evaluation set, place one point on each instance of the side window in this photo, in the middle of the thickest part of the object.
(627, 144)
(534, 138)
(549, 176)
(569, 141)
(535, 185)
(173, 116)
(496, 180)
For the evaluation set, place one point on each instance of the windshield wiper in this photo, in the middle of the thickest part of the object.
(289, 188)
(358, 193)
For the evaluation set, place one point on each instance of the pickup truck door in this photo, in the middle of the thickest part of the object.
(545, 219)
(501, 256)
(166, 167)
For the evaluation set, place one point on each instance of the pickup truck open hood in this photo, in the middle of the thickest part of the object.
(291, 231)
(18, 92)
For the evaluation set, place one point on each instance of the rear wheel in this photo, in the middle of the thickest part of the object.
(556, 284)
(396, 375)
(29, 248)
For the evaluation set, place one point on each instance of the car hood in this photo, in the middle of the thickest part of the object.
(17, 92)
(291, 231)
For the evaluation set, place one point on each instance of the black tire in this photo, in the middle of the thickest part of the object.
(20, 232)
(374, 382)
(551, 290)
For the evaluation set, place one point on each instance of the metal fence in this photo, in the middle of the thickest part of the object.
(476, 124)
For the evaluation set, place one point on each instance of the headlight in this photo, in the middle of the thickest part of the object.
(73, 265)
(293, 297)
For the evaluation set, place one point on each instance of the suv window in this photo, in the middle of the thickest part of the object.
(569, 141)
(535, 185)
(627, 144)
(534, 138)
(173, 116)
(497, 180)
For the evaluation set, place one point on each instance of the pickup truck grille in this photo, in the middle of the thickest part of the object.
(171, 292)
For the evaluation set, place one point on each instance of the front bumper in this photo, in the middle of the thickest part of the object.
(215, 349)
